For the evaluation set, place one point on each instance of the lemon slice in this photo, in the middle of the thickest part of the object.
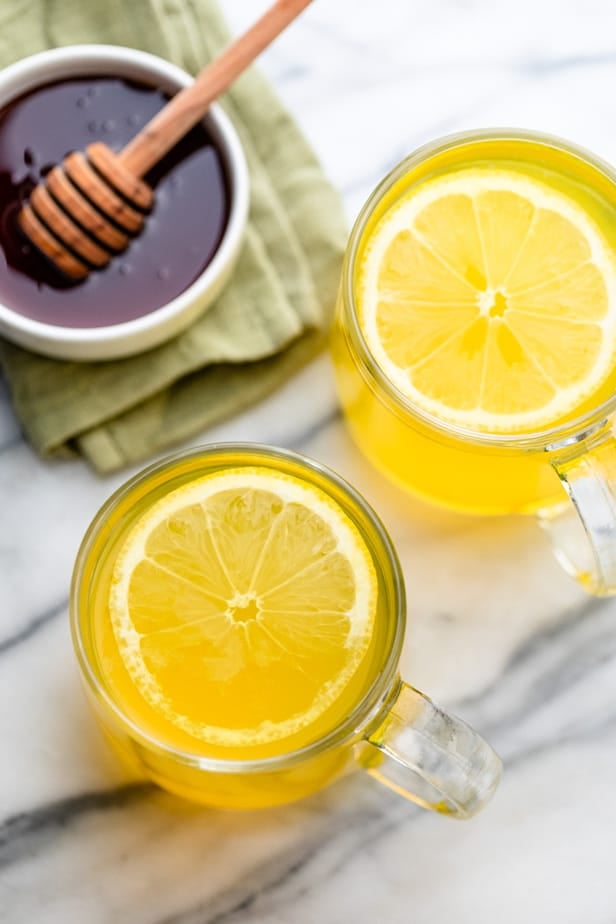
(242, 604)
(489, 299)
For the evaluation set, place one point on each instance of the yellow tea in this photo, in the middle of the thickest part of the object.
(236, 614)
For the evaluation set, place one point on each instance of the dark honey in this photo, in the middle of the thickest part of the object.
(181, 234)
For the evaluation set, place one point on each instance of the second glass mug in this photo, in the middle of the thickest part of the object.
(564, 475)
(394, 732)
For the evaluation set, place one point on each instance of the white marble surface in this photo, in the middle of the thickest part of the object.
(496, 629)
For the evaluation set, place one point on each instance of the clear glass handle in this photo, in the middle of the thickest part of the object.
(583, 533)
(431, 757)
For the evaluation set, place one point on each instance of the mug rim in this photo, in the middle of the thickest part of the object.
(367, 708)
(546, 438)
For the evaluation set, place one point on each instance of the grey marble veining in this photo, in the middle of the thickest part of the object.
(496, 630)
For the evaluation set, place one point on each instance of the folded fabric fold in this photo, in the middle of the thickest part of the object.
(272, 316)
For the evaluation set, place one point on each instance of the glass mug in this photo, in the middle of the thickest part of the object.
(393, 731)
(565, 474)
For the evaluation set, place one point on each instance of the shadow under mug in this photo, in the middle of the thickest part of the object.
(395, 732)
(565, 475)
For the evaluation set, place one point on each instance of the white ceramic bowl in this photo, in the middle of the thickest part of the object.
(142, 333)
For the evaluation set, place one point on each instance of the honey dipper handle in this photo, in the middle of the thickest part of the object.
(186, 108)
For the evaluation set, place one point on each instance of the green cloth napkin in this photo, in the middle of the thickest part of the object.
(272, 316)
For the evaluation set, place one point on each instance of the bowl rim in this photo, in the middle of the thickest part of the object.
(92, 56)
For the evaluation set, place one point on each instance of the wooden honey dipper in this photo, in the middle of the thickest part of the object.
(88, 208)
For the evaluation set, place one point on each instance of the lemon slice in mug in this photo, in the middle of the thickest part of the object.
(488, 298)
(242, 605)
